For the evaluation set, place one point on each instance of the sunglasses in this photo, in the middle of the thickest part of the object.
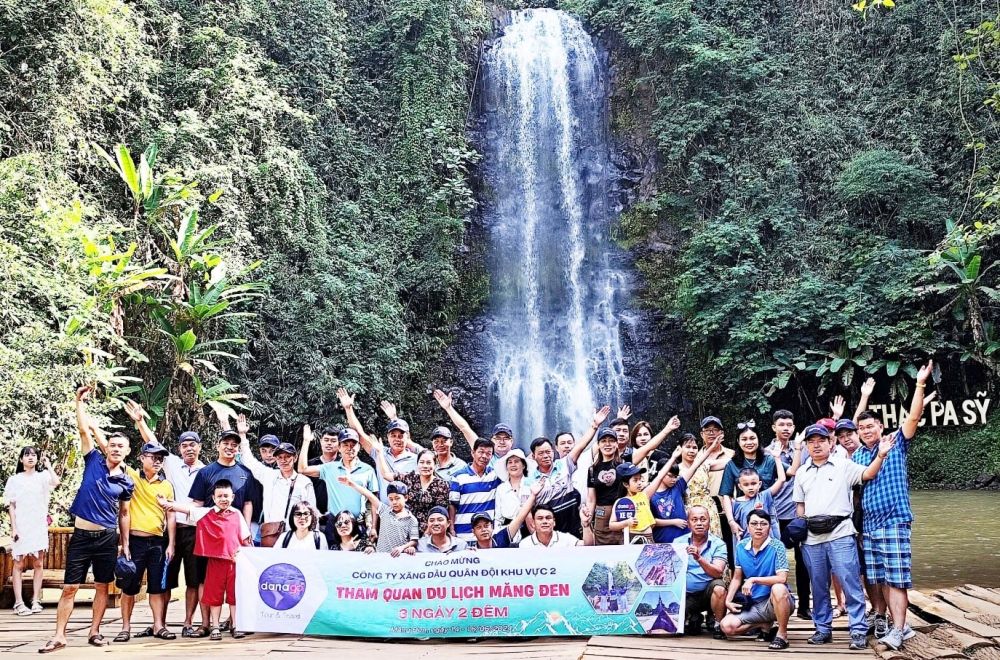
(343, 522)
(742, 426)
(302, 514)
(154, 457)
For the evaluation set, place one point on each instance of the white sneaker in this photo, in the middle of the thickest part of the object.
(36, 606)
(893, 639)
(908, 632)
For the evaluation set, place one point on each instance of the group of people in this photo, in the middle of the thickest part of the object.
(174, 513)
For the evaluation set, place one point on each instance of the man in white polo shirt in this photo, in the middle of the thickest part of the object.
(823, 496)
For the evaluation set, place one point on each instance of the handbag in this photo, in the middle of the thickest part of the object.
(270, 531)
(824, 524)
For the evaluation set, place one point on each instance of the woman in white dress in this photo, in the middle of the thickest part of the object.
(27, 494)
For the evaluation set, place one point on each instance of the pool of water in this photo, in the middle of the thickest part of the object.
(956, 538)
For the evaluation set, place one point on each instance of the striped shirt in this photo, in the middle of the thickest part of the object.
(472, 494)
(885, 499)
(393, 530)
(558, 492)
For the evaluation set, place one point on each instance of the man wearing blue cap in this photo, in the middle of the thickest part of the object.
(282, 488)
(341, 497)
(151, 541)
(397, 431)
(823, 496)
(180, 472)
(502, 436)
(446, 464)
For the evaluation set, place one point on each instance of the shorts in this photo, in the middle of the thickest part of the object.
(887, 556)
(762, 612)
(149, 554)
(183, 557)
(220, 582)
(86, 550)
(603, 534)
(696, 602)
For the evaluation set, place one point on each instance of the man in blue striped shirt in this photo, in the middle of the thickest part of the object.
(473, 490)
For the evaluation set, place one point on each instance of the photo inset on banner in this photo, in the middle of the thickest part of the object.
(612, 588)
(659, 613)
(659, 564)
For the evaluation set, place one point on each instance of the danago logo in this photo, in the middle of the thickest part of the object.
(281, 586)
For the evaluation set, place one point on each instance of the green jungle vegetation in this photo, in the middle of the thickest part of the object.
(213, 206)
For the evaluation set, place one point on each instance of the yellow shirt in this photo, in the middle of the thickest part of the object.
(145, 513)
(644, 518)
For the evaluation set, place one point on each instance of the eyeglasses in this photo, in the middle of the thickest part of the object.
(302, 514)
(343, 522)
(742, 426)
(155, 458)
(758, 523)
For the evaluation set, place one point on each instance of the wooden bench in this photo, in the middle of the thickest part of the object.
(55, 566)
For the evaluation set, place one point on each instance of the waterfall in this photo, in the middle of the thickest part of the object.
(556, 290)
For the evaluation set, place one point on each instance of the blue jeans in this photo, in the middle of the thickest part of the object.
(838, 557)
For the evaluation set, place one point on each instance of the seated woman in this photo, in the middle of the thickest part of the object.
(302, 531)
(346, 534)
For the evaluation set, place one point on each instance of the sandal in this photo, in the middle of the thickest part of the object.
(188, 631)
(238, 634)
(215, 635)
(837, 612)
(778, 644)
(200, 632)
(226, 626)
(21, 609)
(147, 632)
(52, 645)
(36, 606)
(123, 636)
(163, 633)
(98, 641)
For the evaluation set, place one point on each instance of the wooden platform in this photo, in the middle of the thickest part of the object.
(951, 623)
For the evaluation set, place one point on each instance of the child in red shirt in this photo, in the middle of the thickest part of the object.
(220, 532)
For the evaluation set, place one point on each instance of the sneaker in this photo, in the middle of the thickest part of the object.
(908, 632)
(870, 620)
(693, 625)
(36, 607)
(21, 609)
(881, 626)
(859, 642)
(717, 632)
(821, 638)
(805, 615)
(893, 639)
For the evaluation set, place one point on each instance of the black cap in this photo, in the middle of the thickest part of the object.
(606, 433)
(155, 448)
(815, 429)
(482, 516)
(396, 488)
(349, 435)
(628, 470)
(229, 434)
(845, 425)
(285, 448)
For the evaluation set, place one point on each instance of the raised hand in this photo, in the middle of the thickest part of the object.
(673, 424)
(377, 444)
(134, 411)
(799, 438)
(345, 398)
(868, 387)
(346, 480)
(307, 435)
(886, 444)
(837, 407)
(925, 372)
(242, 425)
(625, 412)
(83, 393)
(389, 409)
(537, 486)
(444, 400)
(600, 416)
(677, 452)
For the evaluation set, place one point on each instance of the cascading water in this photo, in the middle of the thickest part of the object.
(556, 290)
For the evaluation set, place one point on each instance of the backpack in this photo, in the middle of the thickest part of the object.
(288, 539)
